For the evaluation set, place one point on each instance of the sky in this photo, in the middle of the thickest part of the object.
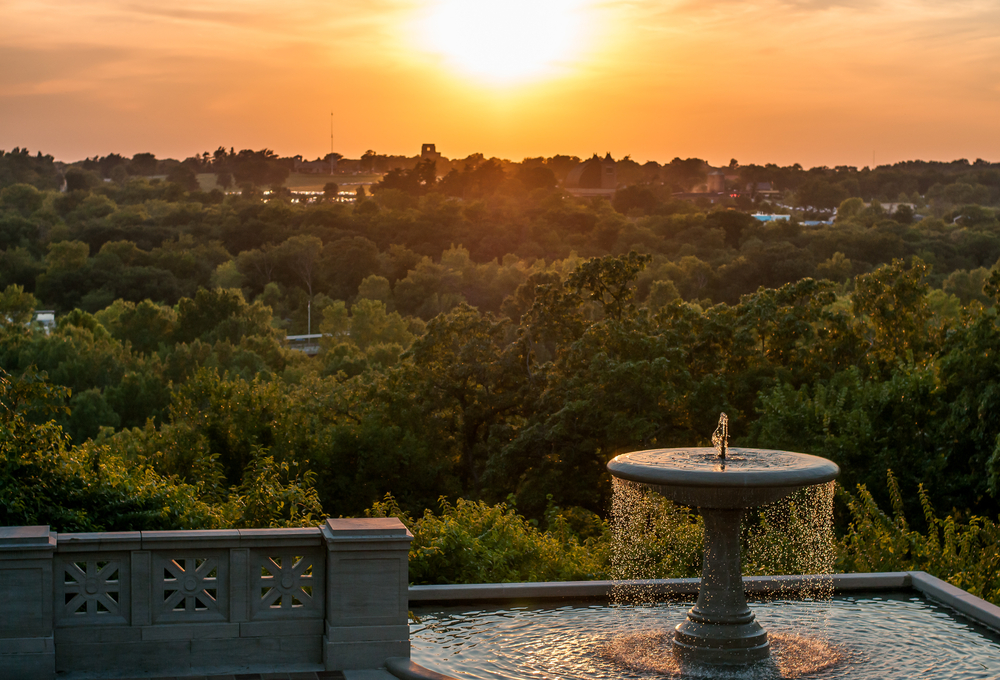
(816, 82)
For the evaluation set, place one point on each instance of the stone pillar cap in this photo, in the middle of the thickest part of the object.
(366, 529)
(27, 538)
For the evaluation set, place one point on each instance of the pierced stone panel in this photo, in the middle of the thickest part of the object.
(92, 589)
(287, 584)
(191, 587)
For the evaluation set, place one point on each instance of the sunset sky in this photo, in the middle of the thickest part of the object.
(817, 82)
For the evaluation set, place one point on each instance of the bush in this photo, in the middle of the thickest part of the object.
(965, 553)
(473, 542)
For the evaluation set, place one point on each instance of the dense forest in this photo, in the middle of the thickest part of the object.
(486, 337)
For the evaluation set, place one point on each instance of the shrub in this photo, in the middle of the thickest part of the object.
(965, 553)
(473, 542)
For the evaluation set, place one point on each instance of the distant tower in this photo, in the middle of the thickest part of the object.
(596, 176)
(428, 151)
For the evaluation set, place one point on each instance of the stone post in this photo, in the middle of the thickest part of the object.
(27, 647)
(366, 591)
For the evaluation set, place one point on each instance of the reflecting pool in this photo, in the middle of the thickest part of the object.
(884, 636)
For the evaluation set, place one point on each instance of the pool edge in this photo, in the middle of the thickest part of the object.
(940, 591)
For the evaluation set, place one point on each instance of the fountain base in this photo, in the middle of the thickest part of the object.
(735, 642)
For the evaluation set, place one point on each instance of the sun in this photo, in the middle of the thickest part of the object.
(506, 40)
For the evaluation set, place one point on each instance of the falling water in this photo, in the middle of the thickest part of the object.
(652, 538)
(793, 536)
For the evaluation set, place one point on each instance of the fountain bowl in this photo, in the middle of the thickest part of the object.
(746, 478)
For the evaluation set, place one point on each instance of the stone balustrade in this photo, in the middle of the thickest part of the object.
(184, 602)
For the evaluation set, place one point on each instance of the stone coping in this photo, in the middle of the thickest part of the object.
(166, 540)
(504, 592)
(404, 669)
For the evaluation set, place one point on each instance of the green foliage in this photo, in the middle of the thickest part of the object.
(505, 342)
(472, 542)
(890, 304)
(273, 494)
(43, 481)
(964, 551)
(220, 314)
(865, 426)
(16, 306)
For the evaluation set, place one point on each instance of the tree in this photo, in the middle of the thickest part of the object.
(259, 168)
(903, 214)
(537, 177)
(183, 176)
(145, 325)
(220, 315)
(21, 198)
(891, 307)
(346, 263)
(821, 195)
(298, 259)
(838, 268)
(634, 197)
(258, 266)
(65, 256)
(16, 306)
(609, 281)
(733, 222)
(143, 164)
(372, 324)
(471, 377)
(685, 174)
(368, 161)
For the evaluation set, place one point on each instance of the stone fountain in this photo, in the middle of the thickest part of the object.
(722, 483)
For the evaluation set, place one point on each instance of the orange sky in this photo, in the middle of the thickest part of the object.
(818, 82)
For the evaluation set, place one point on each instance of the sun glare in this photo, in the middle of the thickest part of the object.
(506, 40)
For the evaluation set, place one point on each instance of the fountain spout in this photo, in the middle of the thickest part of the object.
(720, 438)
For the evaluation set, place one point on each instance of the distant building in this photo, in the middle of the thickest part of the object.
(716, 182)
(326, 166)
(308, 344)
(429, 152)
(46, 318)
(594, 177)
(763, 189)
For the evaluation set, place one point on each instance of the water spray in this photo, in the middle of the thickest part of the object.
(720, 438)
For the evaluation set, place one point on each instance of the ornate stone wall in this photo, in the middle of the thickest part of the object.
(181, 602)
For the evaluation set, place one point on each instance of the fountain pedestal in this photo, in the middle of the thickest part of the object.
(720, 628)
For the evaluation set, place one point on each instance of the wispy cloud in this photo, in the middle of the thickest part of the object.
(668, 73)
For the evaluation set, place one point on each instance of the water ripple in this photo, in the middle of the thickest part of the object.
(878, 637)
